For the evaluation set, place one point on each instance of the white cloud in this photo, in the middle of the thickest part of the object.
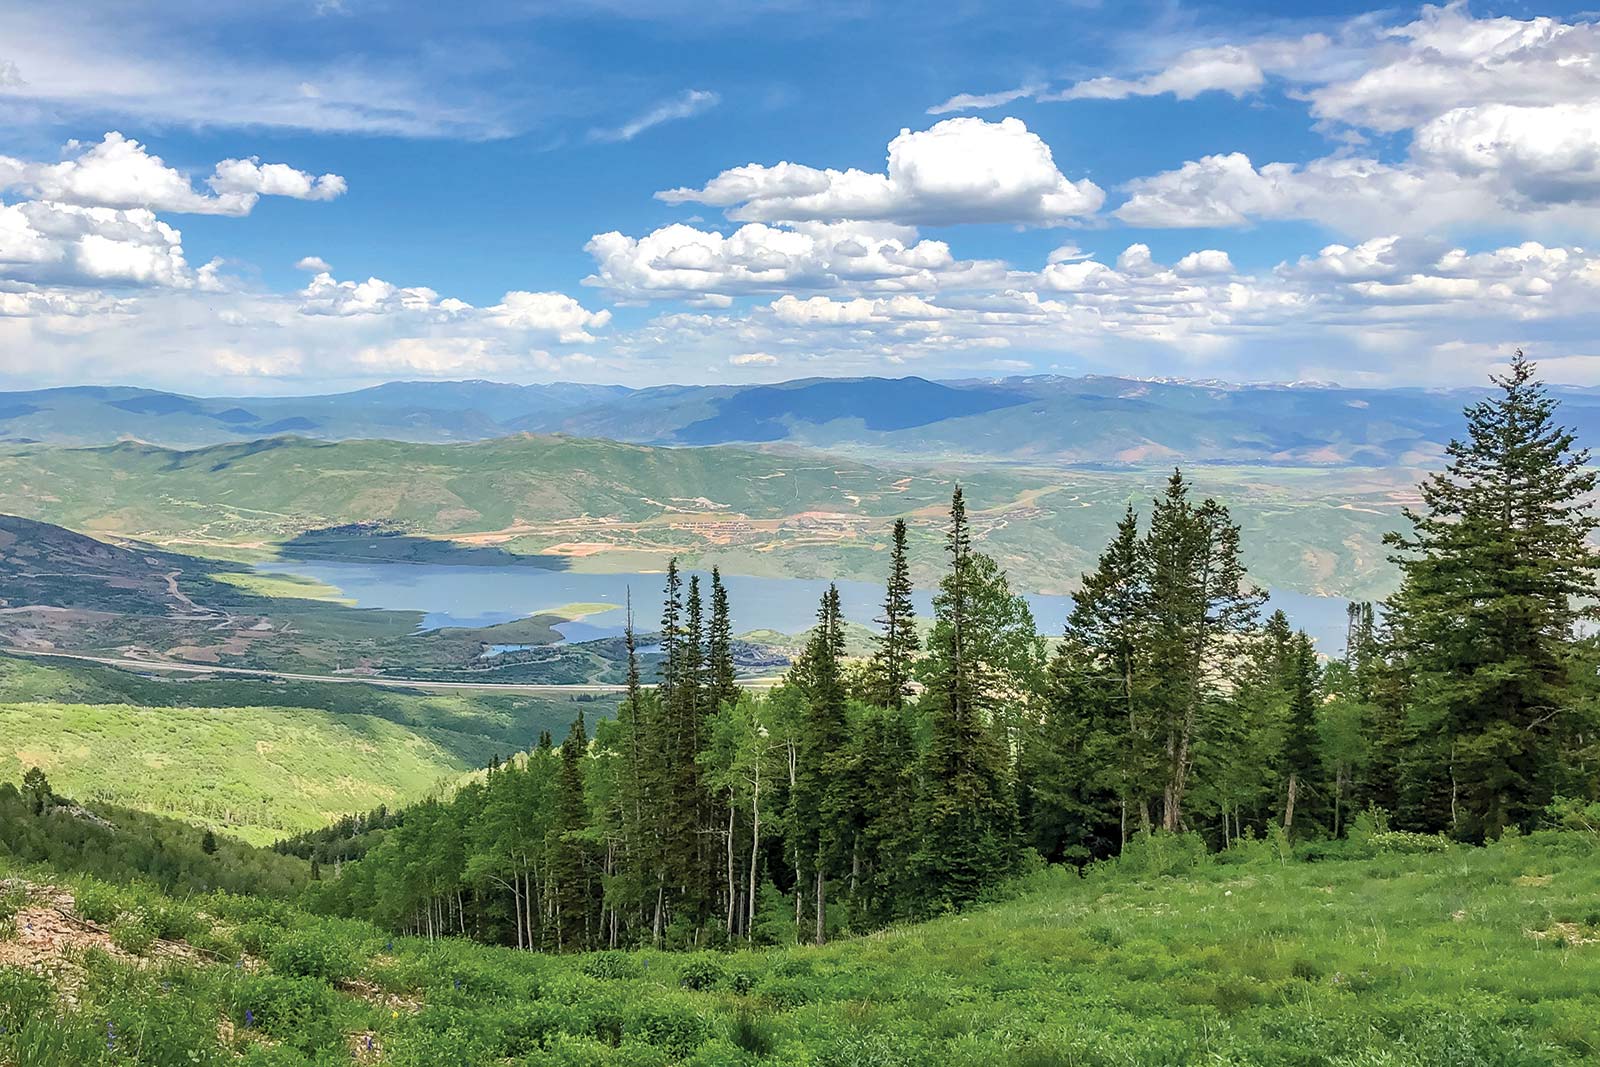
(119, 172)
(957, 171)
(984, 101)
(681, 260)
(555, 313)
(686, 105)
(1503, 117)
(77, 59)
(315, 264)
(252, 178)
(753, 359)
(1206, 261)
(1232, 69)
(67, 244)
(1447, 59)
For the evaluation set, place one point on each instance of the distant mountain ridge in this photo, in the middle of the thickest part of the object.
(1047, 419)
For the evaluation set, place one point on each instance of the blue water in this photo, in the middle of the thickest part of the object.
(482, 596)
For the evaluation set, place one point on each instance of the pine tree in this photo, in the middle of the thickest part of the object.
(898, 643)
(817, 838)
(1492, 573)
(967, 809)
(570, 866)
(1199, 606)
(719, 645)
(1302, 765)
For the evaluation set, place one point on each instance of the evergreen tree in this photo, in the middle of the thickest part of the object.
(1199, 607)
(569, 851)
(817, 838)
(719, 646)
(898, 643)
(967, 807)
(1484, 621)
(1302, 764)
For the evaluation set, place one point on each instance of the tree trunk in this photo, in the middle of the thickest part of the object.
(755, 852)
(1288, 807)
(822, 908)
(733, 904)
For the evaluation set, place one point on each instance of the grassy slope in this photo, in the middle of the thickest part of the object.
(1467, 957)
(260, 773)
(254, 757)
(1306, 530)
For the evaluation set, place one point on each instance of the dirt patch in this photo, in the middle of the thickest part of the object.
(51, 939)
(1568, 934)
(1535, 879)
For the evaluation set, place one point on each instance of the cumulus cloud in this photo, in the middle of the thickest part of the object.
(753, 359)
(555, 313)
(685, 105)
(1502, 121)
(315, 264)
(957, 171)
(119, 172)
(680, 260)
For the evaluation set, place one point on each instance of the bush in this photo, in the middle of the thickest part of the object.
(134, 933)
(297, 1011)
(313, 954)
(676, 1028)
(97, 903)
(1161, 854)
(700, 974)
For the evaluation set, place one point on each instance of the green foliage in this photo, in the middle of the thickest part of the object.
(1401, 960)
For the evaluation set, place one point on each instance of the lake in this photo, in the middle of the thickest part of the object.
(450, 595)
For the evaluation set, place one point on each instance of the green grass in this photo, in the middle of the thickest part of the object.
(258, 772)
(1462, 957)
(257, 758)
(294, 586)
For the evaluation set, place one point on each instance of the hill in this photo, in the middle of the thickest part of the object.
(1042, 419)
(257, 759)
(602, 505)
(1455, 955)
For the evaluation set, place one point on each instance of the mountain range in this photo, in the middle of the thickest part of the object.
(1046, 420)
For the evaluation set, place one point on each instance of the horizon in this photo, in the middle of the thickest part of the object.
(953, 381)
(319, 196)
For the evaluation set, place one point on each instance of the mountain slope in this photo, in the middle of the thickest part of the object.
(1041, 420)
(1460, 956)
(609, 506)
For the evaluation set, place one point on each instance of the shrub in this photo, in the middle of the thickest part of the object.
(609, 965)
(700, 974)
(298, 1011)
(1161, 854)
(97, 903)
(674, 1027)
(134, 933)
(313, 954)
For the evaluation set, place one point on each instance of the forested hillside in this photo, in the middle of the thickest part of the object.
(594, 504)
(1173, 833)
(863, 792)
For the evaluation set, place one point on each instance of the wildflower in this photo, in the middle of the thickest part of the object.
(111, 1036)
(249, 1017)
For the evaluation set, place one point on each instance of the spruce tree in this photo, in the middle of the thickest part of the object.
(1200, 605)
(1493, 570)
(1302, 764)
(898, 643)
(817, 838)
(569, 850)
(967, 810)
(719, 646)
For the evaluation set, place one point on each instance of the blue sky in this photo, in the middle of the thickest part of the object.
(308, 195)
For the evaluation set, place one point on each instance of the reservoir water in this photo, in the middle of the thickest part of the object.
(451, 595)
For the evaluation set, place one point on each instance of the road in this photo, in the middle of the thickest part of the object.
(533, 689)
